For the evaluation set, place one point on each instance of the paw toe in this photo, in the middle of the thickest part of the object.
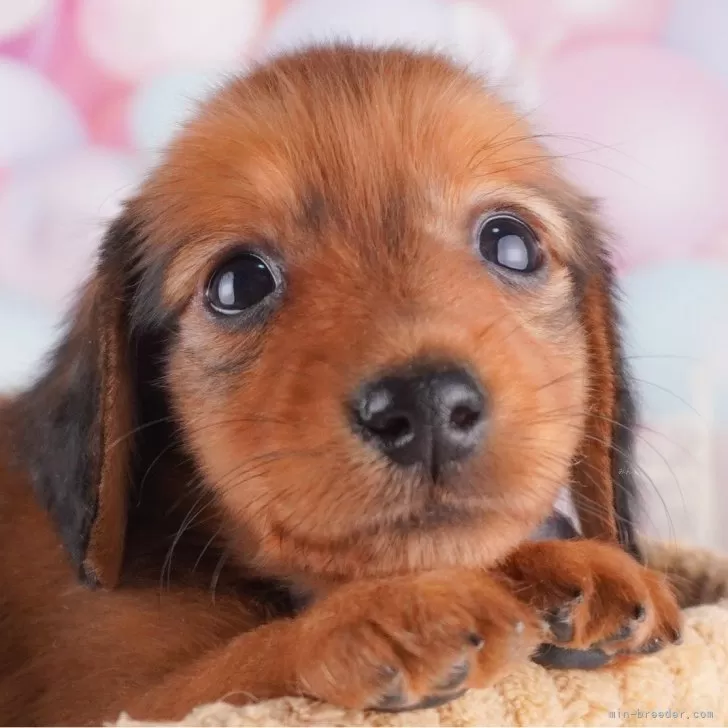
(456, 677)
(560, 620)
(560, 623)
(651, 647)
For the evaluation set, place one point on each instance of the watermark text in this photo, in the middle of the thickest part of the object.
(685, 715)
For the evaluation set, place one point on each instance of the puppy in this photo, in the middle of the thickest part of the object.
(337, 359)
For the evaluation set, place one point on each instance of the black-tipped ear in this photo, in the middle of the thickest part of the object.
(603, 476)
(77, 419)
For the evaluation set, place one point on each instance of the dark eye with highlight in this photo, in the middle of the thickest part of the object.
(508, 242)
(240, 284)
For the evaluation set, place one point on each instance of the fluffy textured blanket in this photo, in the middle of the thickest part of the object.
(685, 685)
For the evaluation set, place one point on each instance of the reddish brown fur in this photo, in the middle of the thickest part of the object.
(365, 172)
(593, 464)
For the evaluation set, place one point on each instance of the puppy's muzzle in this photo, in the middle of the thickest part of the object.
(429, 416)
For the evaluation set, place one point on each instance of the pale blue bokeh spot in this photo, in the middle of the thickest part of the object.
(164, 103)
(697, 28)
(676, 317)
(32, 331)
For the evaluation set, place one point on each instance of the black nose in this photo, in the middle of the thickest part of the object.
(426, 416)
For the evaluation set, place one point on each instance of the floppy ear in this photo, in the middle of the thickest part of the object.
(77, 419)
(603, 483)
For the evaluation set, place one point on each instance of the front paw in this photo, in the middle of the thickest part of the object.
(595, 601)
(411, 642)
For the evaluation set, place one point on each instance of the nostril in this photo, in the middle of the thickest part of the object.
(394, 430)
(383, 419)
(465, 418)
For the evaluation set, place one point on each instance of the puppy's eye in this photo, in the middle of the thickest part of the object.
(510, 243)
(239, 284)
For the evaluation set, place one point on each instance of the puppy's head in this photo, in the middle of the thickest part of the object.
(387, 331)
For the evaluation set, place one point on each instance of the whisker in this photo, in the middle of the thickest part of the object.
(207, 545)
(216, 574)
(672, 394)
(186, 523)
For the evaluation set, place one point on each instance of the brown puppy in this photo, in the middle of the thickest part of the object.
(337, 359)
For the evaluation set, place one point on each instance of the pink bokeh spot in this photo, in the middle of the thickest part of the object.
(134, 38)
(52, 217)
(107, 122)
(17, 48)
(643, 129)
(535, 23)
(90, 88)
(714, 247)
(18, 18)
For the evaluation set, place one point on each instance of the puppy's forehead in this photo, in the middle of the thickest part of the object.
(345, 137)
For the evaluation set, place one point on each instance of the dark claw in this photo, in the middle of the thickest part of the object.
(639, 615)
(388, 672)
(559, 621)
(622, 634)
(391, 703)
(475, 640)
(567, 659)
(458, 674)
(649, 648)
(394, 697)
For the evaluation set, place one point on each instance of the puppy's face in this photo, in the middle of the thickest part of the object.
(378, 361)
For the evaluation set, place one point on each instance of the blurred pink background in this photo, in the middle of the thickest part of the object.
(632, 95)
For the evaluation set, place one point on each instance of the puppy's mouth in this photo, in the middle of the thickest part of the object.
(468, 500)
(435, 516)
(432, 505)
